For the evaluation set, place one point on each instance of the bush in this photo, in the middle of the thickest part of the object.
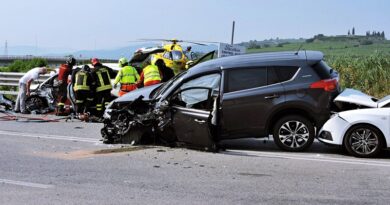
(310, 40)
(369, 74)
(24, 66)
(366, 42)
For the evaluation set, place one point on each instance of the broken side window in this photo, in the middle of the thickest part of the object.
(198, 98)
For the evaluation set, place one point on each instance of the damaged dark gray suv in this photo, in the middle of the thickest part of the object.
(284, 94)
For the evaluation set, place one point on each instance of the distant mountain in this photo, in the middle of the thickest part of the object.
(101, 53)
(106, 53)
(36, 51)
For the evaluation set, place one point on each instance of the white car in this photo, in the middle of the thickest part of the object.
(363, 131)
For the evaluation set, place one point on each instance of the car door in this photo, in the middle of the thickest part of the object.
(194, 111)
(205, 57)
(248, 97)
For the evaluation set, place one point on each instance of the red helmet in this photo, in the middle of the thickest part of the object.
(95, 61)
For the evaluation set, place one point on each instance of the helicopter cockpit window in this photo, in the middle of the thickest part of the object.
(167, 55)
(176, 55)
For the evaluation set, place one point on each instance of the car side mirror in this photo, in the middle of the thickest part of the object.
(215, 93)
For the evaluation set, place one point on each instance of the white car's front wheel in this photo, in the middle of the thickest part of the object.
(363, 141)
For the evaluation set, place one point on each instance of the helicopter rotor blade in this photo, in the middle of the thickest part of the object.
(207, 42)
(202, 43)
(154, 39)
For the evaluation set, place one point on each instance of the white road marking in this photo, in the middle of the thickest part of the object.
(318, 158)
(27, 184)
(45, 136)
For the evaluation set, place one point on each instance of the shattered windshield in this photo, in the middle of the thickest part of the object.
(209, 81)
(198, 95)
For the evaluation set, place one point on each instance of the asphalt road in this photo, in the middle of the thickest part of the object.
(65, 163)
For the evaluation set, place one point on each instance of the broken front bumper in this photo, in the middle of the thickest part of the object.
(333, 130)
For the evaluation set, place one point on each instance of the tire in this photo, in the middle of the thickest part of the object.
(363, 141)
(293, 133)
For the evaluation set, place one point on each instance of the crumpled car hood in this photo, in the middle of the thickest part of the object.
(131, 96)
(359, 98)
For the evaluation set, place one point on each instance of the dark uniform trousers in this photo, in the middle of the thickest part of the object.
(103, 98)
(84, 100)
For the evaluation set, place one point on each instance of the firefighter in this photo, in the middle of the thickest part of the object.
(150, 75)
(101, 76)
(82, 83)
(127, 77)
(63, 74)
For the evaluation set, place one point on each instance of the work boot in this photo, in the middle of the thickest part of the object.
(61, 111)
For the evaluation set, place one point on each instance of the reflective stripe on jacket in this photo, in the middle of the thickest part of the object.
(81, 81)
(104, 80)
(151, 73)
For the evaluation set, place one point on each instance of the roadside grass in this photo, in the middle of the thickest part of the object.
(370, 74)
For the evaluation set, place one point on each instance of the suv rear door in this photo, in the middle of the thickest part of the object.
(248, 96)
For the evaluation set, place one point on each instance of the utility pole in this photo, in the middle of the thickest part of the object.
(6, 48)
(36, 45)
(232, 42)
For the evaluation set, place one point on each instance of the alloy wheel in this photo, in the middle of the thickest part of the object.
(363, 141)
(294, 134)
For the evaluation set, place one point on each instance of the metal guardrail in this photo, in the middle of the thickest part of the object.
(11, 79)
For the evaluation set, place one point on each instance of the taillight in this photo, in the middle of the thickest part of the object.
(328, 85)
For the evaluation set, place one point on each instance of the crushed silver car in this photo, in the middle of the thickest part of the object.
(5, 103)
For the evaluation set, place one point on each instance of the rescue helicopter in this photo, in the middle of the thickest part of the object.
(172, 53)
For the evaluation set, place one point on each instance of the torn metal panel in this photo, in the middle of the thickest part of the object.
(359, 99)
(128, 123)
(356, 97)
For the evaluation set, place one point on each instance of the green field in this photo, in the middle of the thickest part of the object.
(332, 48)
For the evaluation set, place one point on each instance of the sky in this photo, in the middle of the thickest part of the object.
(102, 24)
